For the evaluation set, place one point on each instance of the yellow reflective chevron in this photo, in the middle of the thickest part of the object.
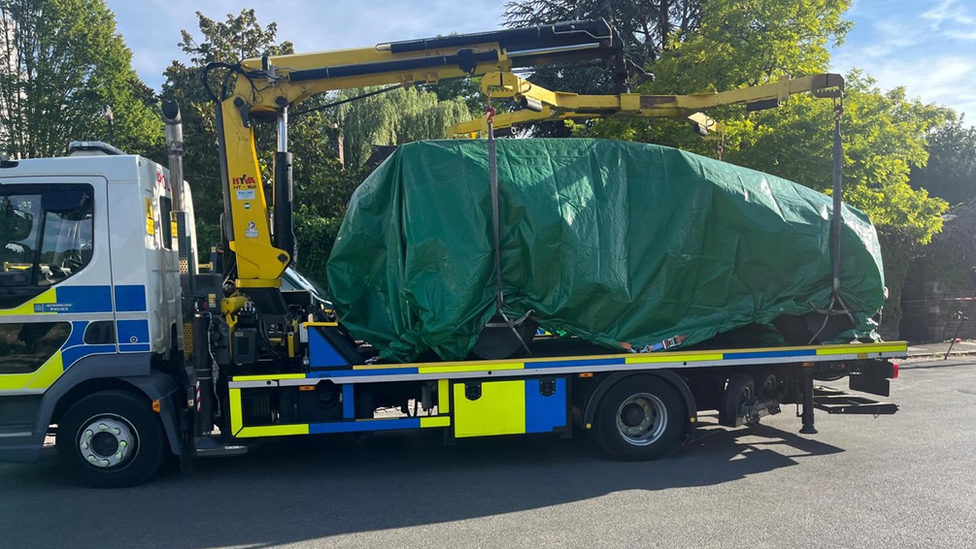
(36, 381)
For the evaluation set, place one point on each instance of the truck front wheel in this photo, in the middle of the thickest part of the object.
(111, 439)
(639, 418)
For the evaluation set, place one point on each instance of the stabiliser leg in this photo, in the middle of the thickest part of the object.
(807, 417)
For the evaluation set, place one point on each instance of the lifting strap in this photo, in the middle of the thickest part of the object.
(496, 231)
(837, 305)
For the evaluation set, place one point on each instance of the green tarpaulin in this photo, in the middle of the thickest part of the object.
(608, 241)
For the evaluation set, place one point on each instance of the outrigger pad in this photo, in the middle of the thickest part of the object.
(624, 244)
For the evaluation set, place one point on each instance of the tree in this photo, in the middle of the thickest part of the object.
(235, 39)
(884, 135)
(61, 62)
(468, 89)
(396, 117)
(951, 170)
(750, 42)
(647, 30)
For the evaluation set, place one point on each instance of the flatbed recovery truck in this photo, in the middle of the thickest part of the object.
(111, 339)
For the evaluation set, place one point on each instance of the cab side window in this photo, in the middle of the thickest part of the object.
(25, 347)
(20, 221)
(66, 246)
(45, 238)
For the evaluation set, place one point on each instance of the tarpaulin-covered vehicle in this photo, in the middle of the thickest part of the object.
(626, 245)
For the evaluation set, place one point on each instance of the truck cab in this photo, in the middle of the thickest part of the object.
(89, 286)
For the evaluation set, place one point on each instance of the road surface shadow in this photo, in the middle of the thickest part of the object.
(292, 490)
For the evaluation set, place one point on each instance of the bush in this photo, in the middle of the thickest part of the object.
(315, 237)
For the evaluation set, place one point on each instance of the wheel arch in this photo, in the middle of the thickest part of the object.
(604, 385)
(126, 372)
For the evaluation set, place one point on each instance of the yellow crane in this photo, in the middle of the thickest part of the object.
(267, 88)
(539, 104)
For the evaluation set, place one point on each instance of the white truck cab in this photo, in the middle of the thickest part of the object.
(89, 280)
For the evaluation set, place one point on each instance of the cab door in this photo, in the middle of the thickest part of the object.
(55, 285)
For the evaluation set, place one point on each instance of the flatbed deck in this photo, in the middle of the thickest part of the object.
(372, 373)
(511, 387)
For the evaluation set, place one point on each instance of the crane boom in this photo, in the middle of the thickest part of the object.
(540, 104)
(266, 88)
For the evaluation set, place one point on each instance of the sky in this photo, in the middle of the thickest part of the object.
(928, 46)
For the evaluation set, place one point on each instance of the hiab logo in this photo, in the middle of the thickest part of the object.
(244, 182)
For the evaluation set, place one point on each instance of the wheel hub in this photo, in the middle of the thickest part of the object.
(642, 419)
(106, 442)
(633, 415)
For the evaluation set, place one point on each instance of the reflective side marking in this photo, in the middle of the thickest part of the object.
(470, 368)
(605, 363)
(572, 362)
(235, 412)
(874, 348)
(365, 425)
(39, 379)
(273, 431)
(439, 421)
(48, 373)
(443, 396)
(671, 357)
(360, 425)
(401, 375)
(768, 354)
(368, 367)
(384, 371)
(271, 377)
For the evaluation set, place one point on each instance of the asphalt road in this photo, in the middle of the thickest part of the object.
(907, 480)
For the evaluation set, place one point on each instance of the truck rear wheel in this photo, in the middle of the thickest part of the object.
(740, 391)
(111, 439)
(639, 418)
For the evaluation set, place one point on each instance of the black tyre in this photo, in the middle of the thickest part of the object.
(740, 390)
(111, 439)
(639, 418)
(767, 386)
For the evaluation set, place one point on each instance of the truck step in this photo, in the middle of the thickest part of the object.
(834, 401)
(210, 447)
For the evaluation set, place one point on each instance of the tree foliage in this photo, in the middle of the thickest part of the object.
(61, 62)
(322, 184)
(399, 116)
(751, 42)
(951, 170)
(884, 134)
(238, 37)
(646, 28)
